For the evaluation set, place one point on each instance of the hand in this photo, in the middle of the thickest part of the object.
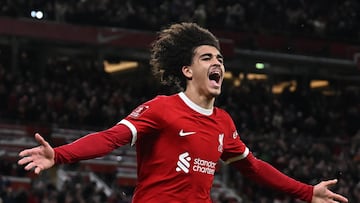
(38, 158)
(323, 195)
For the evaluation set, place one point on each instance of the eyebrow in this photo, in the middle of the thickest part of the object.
(210, 55)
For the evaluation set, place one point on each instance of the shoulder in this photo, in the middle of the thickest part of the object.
(151, 108)
(223, 117)
(222, 113)
(160, 100)
(157, 103)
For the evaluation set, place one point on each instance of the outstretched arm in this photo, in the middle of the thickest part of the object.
(265, 174)
(93, 145)
(90, 146)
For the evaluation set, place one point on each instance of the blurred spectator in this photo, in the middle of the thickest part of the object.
(320, 19)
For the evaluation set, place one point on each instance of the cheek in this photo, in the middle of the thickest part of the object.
(200, 77)
(200, 72)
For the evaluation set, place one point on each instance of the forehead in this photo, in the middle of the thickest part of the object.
(206, 49)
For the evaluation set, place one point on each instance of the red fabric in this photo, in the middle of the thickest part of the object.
(93, 145)
(177, 151)
(265, 174)
(178, 146)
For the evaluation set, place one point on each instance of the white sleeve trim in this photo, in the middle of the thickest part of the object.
(237, 158)
(132, 129)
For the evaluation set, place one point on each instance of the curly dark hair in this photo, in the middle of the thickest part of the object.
(174, 49)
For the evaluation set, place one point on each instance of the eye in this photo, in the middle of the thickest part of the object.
(206, 58)
(221, 60)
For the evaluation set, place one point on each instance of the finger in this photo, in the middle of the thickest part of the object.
(339, 198)
(336, 197)
(25, 153)
(328, 183)
(41, 140)
(30, 166)
(37, 170)
(24, 160)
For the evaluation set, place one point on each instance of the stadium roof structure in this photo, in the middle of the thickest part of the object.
(279, 55)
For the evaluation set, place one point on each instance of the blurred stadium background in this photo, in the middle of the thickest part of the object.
(68, 68)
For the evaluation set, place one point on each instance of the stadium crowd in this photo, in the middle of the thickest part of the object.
(309, 135)
(337, 20)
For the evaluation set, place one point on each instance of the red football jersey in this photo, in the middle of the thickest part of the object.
(178, 146)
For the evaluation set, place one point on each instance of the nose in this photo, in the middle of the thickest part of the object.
(216, 62)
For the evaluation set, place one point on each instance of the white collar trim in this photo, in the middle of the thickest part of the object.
(194, 106)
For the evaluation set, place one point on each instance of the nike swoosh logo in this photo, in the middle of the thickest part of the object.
(182, 133)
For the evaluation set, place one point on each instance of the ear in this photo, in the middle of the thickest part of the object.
(187, 72)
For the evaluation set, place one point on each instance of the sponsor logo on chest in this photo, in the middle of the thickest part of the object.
(186, 163)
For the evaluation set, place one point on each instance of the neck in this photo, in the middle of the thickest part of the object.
(203, 101)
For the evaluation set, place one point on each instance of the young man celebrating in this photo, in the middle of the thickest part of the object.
(180, 138)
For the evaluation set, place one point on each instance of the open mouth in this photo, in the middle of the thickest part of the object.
(215, 76)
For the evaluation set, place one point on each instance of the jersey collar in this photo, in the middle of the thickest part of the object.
(194, 106)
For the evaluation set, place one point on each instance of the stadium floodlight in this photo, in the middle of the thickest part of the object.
(259, 65)
(37, 14)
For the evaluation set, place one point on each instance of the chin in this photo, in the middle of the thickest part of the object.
(215, 93)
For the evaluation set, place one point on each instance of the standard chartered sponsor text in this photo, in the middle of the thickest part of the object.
(204, 166)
